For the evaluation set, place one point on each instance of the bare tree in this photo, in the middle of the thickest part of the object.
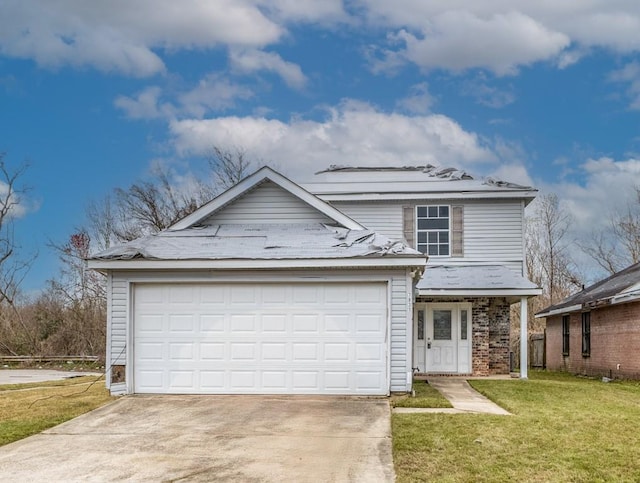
(13, 266)
(618, 245)
(229, 166)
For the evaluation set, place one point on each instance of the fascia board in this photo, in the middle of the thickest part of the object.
(265, 173)
(563, 310)
(440, 195)
(479, 293)
(105, 265)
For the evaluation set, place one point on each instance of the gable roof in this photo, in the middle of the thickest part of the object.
(410, 182)
(621, 287)
(250, 182)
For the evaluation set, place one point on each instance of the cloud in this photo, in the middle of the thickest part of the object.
(629, 74)
(213, 93)
(351, 133)
(249, 61)
(486, 94)
(419, 100)
(123, 37)
(501, 35)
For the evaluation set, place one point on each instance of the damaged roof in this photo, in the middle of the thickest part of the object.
(359, 182)
(621, 287)
(259, 242)
(467, 279)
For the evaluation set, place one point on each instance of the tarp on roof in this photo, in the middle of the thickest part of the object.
(620, 285)
(458, 278)
(259, 242)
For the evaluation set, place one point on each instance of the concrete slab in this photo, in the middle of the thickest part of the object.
(212, 438)
(19, 376)
(464, 398)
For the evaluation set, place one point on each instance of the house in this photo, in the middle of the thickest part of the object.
(596, 331)
(275, 288)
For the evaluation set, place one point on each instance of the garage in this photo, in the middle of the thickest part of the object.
(261, 338)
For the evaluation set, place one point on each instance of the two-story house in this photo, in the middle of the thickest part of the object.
(275, 288)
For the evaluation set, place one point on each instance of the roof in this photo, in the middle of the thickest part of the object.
(473, 280)
(410, 182)
(621, 287)
(251, 182)
(266, 242)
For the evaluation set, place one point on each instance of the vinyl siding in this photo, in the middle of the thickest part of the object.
(267, 203)
(119, 310)
(400, 310)
(383, 218)
(493, 230)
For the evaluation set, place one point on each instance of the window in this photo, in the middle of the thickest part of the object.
(565, 335)
(433, 230)
(463, 325)
(420, 324)
(586, 334)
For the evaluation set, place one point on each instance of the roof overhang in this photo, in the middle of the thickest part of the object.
(244, 264)
(528, 196)
(480, 293)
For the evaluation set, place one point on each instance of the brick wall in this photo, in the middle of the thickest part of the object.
(490, 333)
(615, 339)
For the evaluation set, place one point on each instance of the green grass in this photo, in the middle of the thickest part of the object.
(563, 428)
(27, 409)
(426, 397)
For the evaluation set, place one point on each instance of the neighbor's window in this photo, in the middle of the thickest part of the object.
(565, 335)
(586, 334)
(433, 230)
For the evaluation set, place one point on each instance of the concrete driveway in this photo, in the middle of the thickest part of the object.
(212, 438)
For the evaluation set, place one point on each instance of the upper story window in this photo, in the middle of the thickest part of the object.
(433, 230)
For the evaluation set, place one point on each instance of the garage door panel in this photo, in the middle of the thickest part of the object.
(253, 339)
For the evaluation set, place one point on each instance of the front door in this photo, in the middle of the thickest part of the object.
(442, 338)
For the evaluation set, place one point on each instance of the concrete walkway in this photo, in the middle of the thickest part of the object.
(462, 397)
(20, 376)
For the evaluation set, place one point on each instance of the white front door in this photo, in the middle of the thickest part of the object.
(442, 338)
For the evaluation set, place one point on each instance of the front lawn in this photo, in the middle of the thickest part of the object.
(425, 397)
(26, 409)
(563, 428)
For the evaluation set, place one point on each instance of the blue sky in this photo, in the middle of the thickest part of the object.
(94, 94)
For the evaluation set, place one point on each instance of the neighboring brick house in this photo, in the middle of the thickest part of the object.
(596, 332)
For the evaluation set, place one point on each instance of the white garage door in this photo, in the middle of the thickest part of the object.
(306, 338)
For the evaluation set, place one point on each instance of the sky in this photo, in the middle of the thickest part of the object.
(94, 95)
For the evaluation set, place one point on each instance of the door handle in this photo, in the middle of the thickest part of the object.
(428, 343)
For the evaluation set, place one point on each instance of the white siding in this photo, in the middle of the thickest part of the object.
(383, 218)
(493, 231)
(400, 311)
(267, 203)
(119, 310)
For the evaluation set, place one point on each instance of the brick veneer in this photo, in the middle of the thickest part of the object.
(615, 339)
(490, 330)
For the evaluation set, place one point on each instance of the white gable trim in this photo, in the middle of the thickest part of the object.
(263, 174)
(530, 292)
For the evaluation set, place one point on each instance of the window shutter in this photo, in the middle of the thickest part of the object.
(457, 231)
(408, 225)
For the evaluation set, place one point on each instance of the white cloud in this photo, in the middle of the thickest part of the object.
(629, 74)
(459, 40)
(122, 36)
(255, 60)
(503, 35)
(212, 93)
(352, 133)
(419, 100)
